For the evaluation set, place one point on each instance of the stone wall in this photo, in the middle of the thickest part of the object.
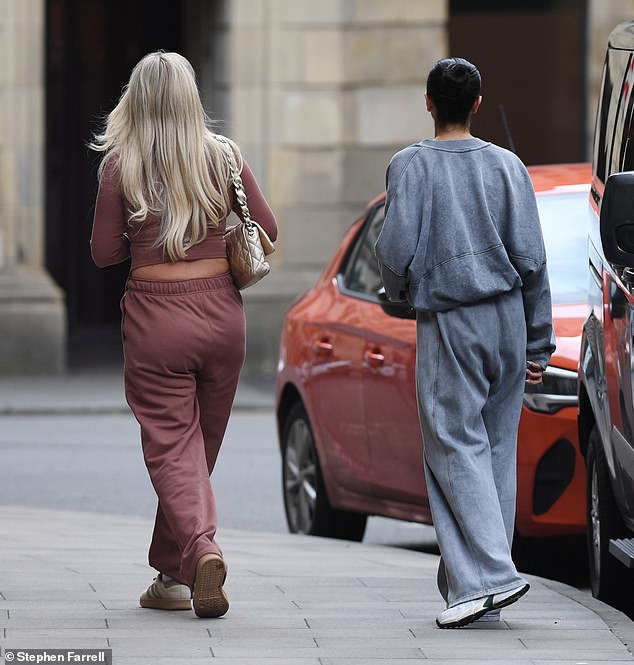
(322, 94)
(32, 315)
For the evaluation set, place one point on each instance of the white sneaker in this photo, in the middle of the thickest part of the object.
(170, 595)
(471, 610)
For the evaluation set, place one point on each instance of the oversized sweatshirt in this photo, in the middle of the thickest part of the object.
(461, 225)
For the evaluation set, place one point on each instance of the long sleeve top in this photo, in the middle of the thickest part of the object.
(114, 239)
(461, 225)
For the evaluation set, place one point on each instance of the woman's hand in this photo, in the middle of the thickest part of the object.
(534, 373)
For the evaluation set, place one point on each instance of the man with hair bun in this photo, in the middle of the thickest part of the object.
(462, 243)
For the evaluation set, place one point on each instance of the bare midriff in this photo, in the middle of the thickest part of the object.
(180, 270)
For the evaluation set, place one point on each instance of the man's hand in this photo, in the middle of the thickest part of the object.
(534, 373)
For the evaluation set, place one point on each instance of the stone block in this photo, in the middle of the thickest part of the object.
(394, 54)
(306, 176)
(8, 179)
(286, 56)
(247, 114)
(313, 233)
(306, 13)
(28, 56)
(399, 11)
(29, 181)
(7, 117)
(310, 118)
(322, 56)
(9, 9)
(389, 115)
(247, 12)
(8, 53)
(6, 56)
(364, 170)
(28, 125)
(32, 323)
(30, 235)
(247, 53)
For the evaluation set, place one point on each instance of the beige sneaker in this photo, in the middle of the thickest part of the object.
(166, 595)
(209, 597)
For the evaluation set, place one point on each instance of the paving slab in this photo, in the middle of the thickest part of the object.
(72, 580)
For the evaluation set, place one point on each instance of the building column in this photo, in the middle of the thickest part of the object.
(32, 311)
(322, 95)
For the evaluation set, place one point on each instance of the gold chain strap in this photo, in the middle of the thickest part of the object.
(241, 195)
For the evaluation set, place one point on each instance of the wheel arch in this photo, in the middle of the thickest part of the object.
(289, 396)
(586, 420)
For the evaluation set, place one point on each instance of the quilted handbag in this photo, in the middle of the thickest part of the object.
(248, 244)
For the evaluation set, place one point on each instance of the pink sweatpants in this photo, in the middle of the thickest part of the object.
(184, 345)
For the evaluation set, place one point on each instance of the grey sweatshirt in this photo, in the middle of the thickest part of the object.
(461, 225)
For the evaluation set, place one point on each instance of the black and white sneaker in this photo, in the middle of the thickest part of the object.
(471, 610)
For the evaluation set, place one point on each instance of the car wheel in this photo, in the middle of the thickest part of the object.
(306, 504)
(609, 579)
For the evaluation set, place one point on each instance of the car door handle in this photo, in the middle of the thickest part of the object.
(373, 358)
(323, 347)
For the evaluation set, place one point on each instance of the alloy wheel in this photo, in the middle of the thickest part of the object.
(300, 476)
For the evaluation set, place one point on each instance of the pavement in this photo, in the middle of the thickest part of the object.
(71, 580)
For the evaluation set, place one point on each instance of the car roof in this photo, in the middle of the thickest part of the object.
(548, 178)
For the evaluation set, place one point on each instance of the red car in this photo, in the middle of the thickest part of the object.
(346, 402)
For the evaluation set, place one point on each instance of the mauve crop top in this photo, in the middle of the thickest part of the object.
(109, 245)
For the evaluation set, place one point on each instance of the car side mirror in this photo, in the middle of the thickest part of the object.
(617, 219)
(400, 310)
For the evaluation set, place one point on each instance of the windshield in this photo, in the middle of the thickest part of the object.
(564, 219)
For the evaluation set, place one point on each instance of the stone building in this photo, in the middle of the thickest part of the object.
(319, 94)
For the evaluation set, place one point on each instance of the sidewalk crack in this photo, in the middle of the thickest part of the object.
(92, 587)
(2, 596)
(315, 641)
(306, 622)
(521, 641)
(106, 620)
(413, 633)
(213, 655)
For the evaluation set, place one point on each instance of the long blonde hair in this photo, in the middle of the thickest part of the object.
(159, 136)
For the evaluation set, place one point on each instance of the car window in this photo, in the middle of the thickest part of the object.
(626, 149)
(565, 225)
(617, 82)
(362, 272)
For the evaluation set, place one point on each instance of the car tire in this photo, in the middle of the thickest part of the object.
(306, 504)
(609, 579)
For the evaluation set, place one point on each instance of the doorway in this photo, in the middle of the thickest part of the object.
(532, 60)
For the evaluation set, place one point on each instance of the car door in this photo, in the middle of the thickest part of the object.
(334, 380)
(619, 323)
(388, 358)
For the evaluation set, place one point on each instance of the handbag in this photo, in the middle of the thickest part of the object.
(248, 244)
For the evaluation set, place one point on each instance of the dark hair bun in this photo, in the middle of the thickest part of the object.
(453, 85)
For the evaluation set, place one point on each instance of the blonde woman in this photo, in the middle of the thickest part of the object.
(164, 195)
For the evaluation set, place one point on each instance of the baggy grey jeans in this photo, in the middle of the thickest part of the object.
(471, 365)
